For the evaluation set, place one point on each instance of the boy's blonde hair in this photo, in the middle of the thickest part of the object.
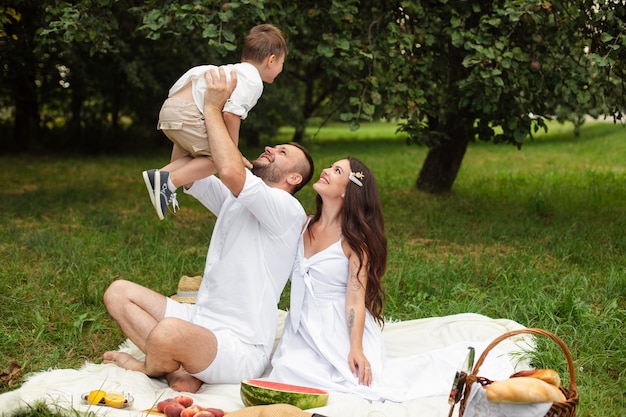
(263, 41)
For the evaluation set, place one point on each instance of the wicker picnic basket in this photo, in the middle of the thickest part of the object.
(558, 409)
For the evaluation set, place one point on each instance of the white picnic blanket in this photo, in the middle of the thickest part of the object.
(439, 339)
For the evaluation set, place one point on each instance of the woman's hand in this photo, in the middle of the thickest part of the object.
(360, 367)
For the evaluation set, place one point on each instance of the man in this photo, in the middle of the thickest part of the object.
(229, 334)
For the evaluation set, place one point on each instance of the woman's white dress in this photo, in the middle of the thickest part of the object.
(313, 350)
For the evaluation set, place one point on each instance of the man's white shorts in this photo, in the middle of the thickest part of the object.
(235, 360)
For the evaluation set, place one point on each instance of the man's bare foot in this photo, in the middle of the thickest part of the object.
(183, 381)
(123, 360)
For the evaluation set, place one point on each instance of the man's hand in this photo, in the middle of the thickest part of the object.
(218, 89)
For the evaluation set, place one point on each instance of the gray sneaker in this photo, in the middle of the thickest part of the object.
(148, 179)
(162, 195)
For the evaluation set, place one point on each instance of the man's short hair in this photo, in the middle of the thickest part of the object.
(305, 169)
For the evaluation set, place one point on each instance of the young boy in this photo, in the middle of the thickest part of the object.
(182, 121)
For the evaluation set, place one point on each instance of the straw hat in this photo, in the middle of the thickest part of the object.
(187, 289)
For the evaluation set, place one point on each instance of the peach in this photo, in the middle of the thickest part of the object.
(204, 413)
(184, 400)
(161, 404)
(190, 411)
(173, 410)
(216, 411)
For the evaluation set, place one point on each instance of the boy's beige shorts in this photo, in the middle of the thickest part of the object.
(183, 124)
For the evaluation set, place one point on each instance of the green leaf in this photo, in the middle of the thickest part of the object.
(346, 117)
(342, 44)
(606, 37)
(368, 108)
(471, 60)
(519, 135)
(457, 39)
(325, 50)
(583, 97)
(210, 31)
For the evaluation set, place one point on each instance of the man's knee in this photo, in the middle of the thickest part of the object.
(165, 335)
(114, 293)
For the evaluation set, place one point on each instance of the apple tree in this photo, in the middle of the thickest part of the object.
(449, 71)
(456, 71)
(452, 71)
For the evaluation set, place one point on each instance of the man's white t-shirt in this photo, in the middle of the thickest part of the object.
(245, 96)
(250, 256)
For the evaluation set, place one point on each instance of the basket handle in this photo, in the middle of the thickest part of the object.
(535, 331)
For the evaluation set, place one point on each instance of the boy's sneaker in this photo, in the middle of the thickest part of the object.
(163, 196)
(148, 179)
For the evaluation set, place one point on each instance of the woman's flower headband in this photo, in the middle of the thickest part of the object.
(356, 178)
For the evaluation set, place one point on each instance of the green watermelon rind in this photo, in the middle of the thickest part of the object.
(254, 395)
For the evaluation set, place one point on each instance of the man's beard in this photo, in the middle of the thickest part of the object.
(267, 172)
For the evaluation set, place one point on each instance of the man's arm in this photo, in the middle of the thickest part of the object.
(233, 124)
(224, 152)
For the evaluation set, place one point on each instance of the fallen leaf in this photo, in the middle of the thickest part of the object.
(8, 374)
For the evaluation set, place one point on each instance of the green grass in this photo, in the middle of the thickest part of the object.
(537, 236)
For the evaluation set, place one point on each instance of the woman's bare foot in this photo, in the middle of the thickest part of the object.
(123, 360)
(183, 381)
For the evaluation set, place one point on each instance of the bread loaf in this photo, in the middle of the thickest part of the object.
(548, 375)
(523, 390)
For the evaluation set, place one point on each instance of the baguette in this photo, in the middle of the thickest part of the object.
(523, 390)
(548, 375)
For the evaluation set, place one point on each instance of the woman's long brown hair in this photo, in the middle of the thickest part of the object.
(362, 226)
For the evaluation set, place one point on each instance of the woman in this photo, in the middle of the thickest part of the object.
(332, 337)
(335, 319)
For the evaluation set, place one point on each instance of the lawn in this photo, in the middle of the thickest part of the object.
(536, 235)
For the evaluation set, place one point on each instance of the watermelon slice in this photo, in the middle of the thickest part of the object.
(262, 392)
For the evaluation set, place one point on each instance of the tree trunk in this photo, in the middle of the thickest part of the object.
(298, 134)
(26, 123)
(307, 111)
(21, 66)
(442, 163)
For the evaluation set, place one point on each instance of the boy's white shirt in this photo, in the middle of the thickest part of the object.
(245, 96)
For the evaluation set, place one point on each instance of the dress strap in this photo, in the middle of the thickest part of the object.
(306, 224)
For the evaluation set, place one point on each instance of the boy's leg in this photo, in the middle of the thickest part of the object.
(178, 159)
(164, 193)
(195, 169)
(183, 170)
